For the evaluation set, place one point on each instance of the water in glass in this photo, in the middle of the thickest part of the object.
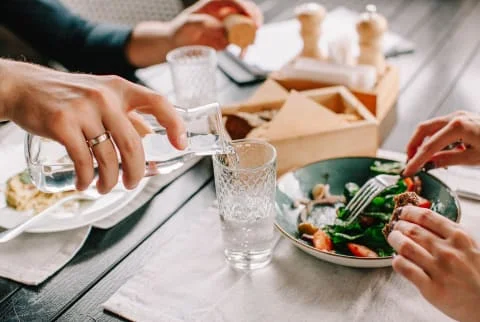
(245, 185)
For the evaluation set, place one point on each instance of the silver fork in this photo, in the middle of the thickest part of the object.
(367, 193)
(9, 234)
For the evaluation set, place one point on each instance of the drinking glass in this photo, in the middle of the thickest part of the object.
(193, 71)
(246, 200)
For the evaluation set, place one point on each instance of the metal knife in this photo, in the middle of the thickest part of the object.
(468, 194)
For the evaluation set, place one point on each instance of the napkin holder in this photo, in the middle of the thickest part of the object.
(311, 128)
(380, 100)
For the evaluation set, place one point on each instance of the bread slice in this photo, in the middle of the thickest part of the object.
(401, 200)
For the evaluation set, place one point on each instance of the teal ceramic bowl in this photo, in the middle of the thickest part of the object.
(336, 172)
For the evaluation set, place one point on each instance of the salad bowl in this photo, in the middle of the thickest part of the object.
(339, 175)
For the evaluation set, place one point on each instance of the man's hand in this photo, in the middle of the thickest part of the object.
(199, 29)
(73, 108)
(200, 24)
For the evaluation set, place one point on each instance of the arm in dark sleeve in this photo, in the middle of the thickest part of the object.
(56, 32)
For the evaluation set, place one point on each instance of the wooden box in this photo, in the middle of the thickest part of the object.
(380, 101)
(330, 122)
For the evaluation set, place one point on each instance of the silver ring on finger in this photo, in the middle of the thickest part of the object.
(99, 139)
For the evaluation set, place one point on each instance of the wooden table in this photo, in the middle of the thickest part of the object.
(438, 78)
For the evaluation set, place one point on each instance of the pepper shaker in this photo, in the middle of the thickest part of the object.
(371, 27)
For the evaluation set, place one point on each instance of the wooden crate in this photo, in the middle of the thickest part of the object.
(381, 101)
(313, 128)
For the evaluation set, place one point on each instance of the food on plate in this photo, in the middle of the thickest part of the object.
(322, 241)
(406, 198)
(350, 117)
(366, 235)
(22, 195)
(402, 200)
(321, 196)
(240, 124)
(360, 250)
(237, 127)
(387, 167)
(307, 228)
(319, 191)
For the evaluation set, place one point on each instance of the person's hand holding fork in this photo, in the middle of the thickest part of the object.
(427, 146)
(437, 255)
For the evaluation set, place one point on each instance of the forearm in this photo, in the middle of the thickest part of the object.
(56, 32)
(7, 92)
(149, 43)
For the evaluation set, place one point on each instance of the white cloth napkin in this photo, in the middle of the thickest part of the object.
(190, 281)
(154, 185)
(32, 258)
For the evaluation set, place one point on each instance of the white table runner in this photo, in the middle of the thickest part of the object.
(32, 258)
(190, 281)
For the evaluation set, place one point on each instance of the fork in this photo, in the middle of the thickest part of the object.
(9, 234)
(367, 193)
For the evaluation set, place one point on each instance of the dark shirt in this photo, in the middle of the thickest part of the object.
(56, 32)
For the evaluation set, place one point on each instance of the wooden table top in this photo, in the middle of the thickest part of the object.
(438, 78)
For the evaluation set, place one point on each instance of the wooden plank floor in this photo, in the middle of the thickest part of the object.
(440, 77)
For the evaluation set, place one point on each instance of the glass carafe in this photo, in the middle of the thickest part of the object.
(52, 170)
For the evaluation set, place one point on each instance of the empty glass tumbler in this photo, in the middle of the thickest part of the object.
(193, 70)
(245, 188)
(52, 170)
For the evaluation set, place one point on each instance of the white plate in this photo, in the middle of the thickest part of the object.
(65, 219)
(12, 162)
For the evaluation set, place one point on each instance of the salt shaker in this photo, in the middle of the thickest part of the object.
(371, 27)
(310, 16)
(341, 50)
(241, 30)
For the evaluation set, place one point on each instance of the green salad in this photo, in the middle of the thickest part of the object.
(363, 237)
